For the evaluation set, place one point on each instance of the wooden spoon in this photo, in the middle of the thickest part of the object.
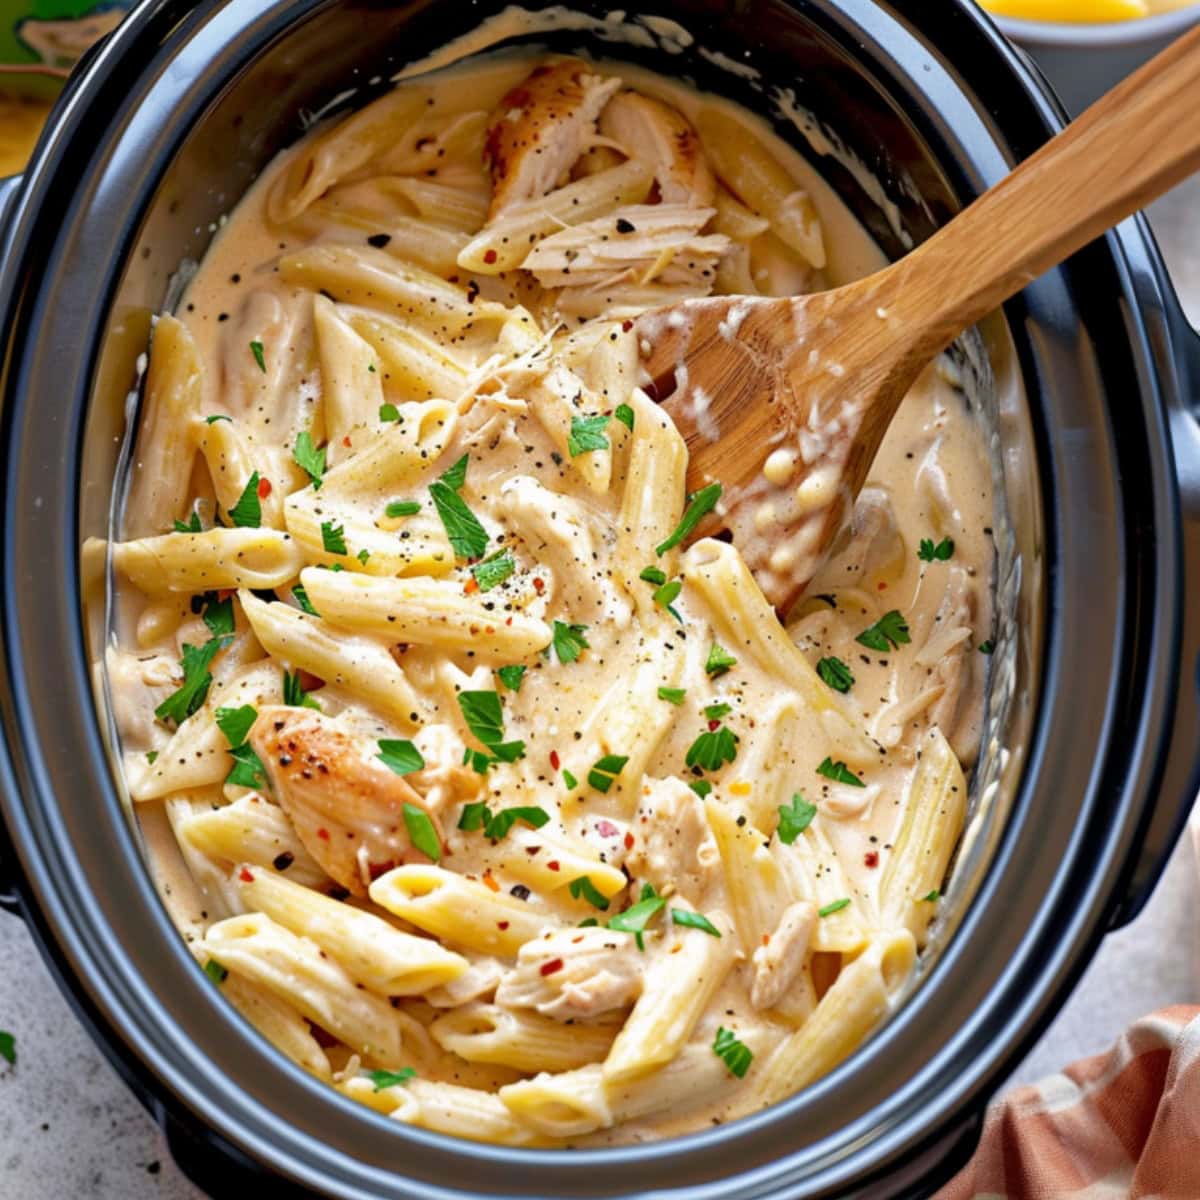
(786, 401)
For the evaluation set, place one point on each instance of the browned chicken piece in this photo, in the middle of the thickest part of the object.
(661, 137)
(540, 128)
(346, 806)
(595, 971)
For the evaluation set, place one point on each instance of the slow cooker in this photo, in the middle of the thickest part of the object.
(1088, 390)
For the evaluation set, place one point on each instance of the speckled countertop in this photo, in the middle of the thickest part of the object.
(69, 1128)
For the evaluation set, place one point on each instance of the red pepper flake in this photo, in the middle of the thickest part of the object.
(871, 858)
(555, 964)
(626, 326)
(346, 440)
(509, 621)
(245, 876)
(766, 939)
(308, 681)
(489, 257)
(539, 584)
(881, 586)
(323, 833)
(490, 882)
(501, 924)
(629, 841)
(264, 488)
(472, 585)
(555, 762)
(552, 865)
(606, 829)
(712, 725)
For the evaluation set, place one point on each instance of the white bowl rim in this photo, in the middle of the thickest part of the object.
(1101, 33)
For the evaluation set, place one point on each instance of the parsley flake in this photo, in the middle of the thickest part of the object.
(571, 782)
(890, 631)
(624, 414)
(300, 595)
(400, 756)
(601, 776)
(247, 512)
(719, 660)
(216, 971)
(466, 534)
(218, 616)
(666, 596)
(512, 677)
(403, 508)
(217, 417)
(795, 818)
(294, 693)
(694, 920)
(839, 773)
(653, 575)
(700, 504)
(309, 458)
(836, 674)
(456, 476)
(701, 787)
(928, 552)
(389, 412)
(333, 538)
(712, 748)
(932, 897)
(421, 831)
(736, 1055)
(834, 906)
(672, 695)
(248, 770)
(494, 571)
(987, 647)
(256, 348)
(569, 641)
(8, 1047)
(583, 888)
(387, 1079)
(180, 705)
(235, 723)
(637, 916)
(191, 525)
(587, 434)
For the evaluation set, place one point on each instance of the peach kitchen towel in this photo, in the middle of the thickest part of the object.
(1124, 1125)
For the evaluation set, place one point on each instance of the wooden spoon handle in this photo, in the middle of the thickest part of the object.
(1135, 143)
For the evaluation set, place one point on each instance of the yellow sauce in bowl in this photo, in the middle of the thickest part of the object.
(21, 121)
(1082, 11)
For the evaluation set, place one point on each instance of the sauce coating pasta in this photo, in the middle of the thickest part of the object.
(481, 787)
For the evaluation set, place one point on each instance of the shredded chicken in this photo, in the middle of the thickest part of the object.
(347, 807)
(674, 849)
(139, 683)
(540, 128)
(595, 971)
(639, 245)
(949, 649)
(869, 545)
(660, 136)
(777, 964)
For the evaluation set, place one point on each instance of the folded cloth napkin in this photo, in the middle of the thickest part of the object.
(1120, 1126)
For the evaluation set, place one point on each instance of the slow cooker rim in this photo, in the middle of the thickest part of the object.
(490, 1153)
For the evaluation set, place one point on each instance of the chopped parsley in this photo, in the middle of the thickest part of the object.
(256, 348)
(473, 816)
(570, 780)
(191, 525)
(235, 723)
(309, 458)
(834, 906)
(987, 647)
(795, 818)
(928, 552)
(8, 1047)
(478, 816)
(400, 756)
(635, 918)
(300, 595)
(719, 660)
(248, 770)
(494, 571)
(512, 677)
(456, 476)
(653, 575)
(601, 776)
(484, 716)
(672, 695)
(624, 414)
(180, 704)
(666, 596)
(294, 693)
(584, 889)
(694, 920)
(587, 434)
(218, 616)
(466, 534)
(701, 787)
(403, 508)
(363, 556)
(839, 773)
(217, 417)
(700, 504)
(247, 512)
(714, 712)
(889, 632)
(389, 412)
(712, 748)
(421, 831)
(836, 674)
(736, 1055)
(569, 641)
(932, 897)
(215, 971)
(387, 1079)
(152, 757)
(333, 538)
